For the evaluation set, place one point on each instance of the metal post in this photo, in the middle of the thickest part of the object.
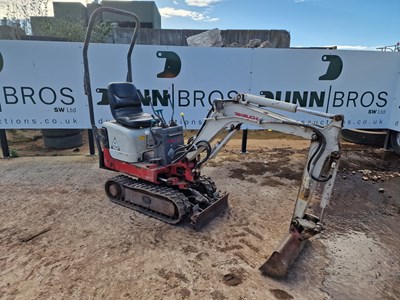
(91, 142)
(244, 141)
(386, 145)
(4, 143)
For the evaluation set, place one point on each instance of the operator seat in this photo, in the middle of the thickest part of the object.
(126, 106)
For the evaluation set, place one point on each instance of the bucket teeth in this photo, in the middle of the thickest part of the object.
(279, 263)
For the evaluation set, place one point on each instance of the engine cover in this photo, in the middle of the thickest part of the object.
(127, 144)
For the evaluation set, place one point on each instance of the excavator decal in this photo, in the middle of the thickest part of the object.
(238, 114)
(115, 145)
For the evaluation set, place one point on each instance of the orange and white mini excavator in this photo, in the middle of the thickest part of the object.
(161, 175)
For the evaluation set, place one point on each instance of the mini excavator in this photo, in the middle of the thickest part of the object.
(160, 174)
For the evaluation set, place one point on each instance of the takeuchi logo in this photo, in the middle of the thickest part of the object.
(334, 68)
(172, 66)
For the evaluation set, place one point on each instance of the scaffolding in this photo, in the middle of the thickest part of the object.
(392, 48)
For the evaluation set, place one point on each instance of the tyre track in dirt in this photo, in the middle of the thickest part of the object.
(96, 249)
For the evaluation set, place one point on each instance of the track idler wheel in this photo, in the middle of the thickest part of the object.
(114, 190)
(282, 258)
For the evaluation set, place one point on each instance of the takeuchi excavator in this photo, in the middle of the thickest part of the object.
(160, 174)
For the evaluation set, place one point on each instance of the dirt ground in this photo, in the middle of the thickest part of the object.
(60, 238)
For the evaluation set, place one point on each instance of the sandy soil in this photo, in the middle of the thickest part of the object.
(60, 238)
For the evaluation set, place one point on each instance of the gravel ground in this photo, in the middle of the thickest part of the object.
(60, 238)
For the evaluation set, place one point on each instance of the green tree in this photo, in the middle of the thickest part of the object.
(60, 28)
(73, 31)
(20, 12)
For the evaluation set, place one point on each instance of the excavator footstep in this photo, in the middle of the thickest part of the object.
(200, 219)
(278, 264)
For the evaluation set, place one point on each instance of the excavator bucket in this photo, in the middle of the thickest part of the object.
(200, 219)
(282, 258)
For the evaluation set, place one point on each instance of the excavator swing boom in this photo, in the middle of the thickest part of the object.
(321, 167)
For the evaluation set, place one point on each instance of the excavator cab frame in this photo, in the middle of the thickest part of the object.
(87, 81)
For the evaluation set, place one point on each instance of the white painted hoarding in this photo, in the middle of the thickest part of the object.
(41, 83)
(360, 85)
(201, 78)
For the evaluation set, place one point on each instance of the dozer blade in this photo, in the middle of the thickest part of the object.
(200, 219)
(282, 258)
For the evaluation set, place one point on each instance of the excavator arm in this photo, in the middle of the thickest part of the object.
(320, 169)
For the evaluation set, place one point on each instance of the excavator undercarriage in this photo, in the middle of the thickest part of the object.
(200, 204)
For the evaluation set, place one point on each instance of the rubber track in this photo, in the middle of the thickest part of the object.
(180, 201)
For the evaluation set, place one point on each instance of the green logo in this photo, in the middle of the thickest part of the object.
(334, 68)
(172, 64)
(1, 62)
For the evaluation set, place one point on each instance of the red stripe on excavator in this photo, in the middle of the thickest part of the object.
(151, 172)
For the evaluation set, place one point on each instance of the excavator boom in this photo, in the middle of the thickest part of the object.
(320, 169)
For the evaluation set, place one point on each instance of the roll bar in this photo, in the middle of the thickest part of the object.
(87, 84)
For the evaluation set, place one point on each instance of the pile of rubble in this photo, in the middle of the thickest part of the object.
(374, 176)
(213, 38)
(254, 43)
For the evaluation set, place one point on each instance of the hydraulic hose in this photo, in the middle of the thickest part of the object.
(208, 149)
(317, 153)
(193, 147)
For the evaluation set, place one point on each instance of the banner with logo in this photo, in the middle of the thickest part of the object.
(361, 85)
(41, 83)
(192, 77)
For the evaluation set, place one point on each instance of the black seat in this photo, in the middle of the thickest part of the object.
(126, 107)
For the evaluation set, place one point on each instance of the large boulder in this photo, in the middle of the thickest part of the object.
(210, 38)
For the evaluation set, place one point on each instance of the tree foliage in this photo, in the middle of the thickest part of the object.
(19, 13)
(73, 31)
